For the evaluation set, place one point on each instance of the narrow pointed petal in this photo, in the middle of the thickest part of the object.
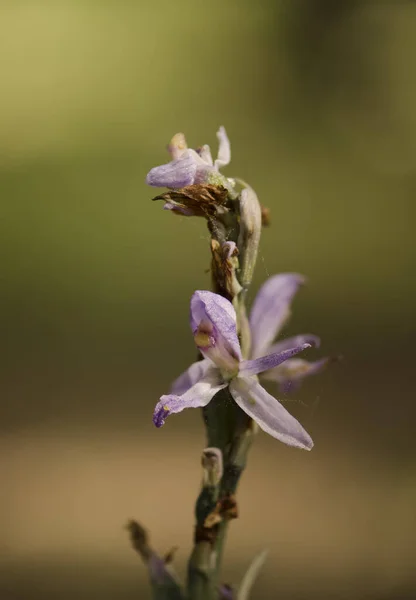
(198, 395)
(269, 414)
(178, 210)
(271, 361)
(271, 309)
(224, 150)
(213, 323)
(296, 340)
(176, 174)
(190, 377)
(290, 374)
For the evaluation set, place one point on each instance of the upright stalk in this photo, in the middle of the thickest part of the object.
(227, 427)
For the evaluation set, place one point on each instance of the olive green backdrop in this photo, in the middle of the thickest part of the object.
(319, 101)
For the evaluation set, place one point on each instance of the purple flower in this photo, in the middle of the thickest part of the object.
(269, 313)
(189, 166)
(213, 324)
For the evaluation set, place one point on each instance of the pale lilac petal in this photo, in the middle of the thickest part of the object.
(202, 173)
(190, 377)
(224, 150)
(198, 395)
(271, 361)
(290, 374)
(215, 308)
(213, 323)
(176, 174)
(205, 153)
(203, 165)
(189, 166)
(180, 210)
(269, 414)
(271, 309)
(296, 340)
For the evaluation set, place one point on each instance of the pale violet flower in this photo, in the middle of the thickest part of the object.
(189, 166)
(213, 324)
(270, 311)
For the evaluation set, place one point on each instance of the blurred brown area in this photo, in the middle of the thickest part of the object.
(319, 99)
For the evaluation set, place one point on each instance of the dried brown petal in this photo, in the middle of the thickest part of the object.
(200, 200)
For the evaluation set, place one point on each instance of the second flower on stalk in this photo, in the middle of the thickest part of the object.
(213, 323)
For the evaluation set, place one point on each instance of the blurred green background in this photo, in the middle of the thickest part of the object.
(319, 100)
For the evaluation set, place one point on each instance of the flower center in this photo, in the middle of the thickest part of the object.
(203, 336)
(203, 339)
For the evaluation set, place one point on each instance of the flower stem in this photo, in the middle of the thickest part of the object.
(228, 428)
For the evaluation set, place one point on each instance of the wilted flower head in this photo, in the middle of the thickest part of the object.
(213, 324)
(189, 166)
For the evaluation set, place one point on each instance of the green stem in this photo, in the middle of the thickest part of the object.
(201, 585)
(233, 471)
(228, 427)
